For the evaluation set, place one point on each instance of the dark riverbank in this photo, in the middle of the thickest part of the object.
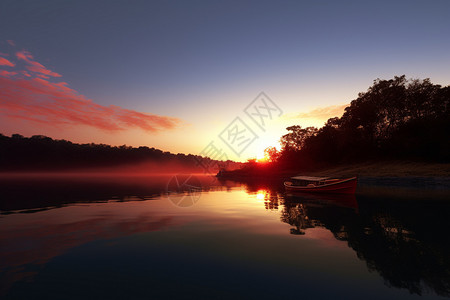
(393, 173)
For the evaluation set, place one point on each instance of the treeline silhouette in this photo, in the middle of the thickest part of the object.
(19, 153)
(395, 119)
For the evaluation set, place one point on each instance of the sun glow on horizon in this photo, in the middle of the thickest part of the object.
(261, 194)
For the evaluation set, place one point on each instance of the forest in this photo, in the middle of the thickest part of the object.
(42, 153)
(395, 119)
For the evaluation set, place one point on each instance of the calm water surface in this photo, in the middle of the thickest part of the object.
(116, 238)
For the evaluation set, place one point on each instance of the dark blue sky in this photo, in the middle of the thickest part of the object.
(202, 61)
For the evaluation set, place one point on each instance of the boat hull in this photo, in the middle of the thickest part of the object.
(344, 186)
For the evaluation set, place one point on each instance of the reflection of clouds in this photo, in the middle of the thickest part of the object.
(38, 241)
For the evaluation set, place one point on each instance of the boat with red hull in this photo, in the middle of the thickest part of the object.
(311, 184)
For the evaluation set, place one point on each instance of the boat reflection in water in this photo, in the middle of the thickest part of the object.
(295, 210)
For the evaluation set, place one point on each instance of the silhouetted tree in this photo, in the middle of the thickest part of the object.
(295, 140)
(272, 154)
(396, 118)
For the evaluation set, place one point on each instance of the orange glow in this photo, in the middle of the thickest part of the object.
(263, 160)
(261, 195)
(262, 157)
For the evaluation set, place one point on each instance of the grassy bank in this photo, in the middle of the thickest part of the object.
(369, 169)
(388, 169)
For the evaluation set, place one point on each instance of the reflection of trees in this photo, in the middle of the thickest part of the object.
(40, 193)
(273, 197)
(310, 214)
(296, 216)
(43, 193)
(406, 243)
(271, 200)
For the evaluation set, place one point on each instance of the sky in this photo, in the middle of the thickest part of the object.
(223, 78)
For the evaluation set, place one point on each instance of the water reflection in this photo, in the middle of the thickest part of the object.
(27, 245)
(35, 193)
(400, 236)
(405, 241)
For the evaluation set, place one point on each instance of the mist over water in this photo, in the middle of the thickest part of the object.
(138, 236)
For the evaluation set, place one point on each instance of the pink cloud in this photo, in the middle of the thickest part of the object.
(34, 66)
(5, 62)
(29, 95)
(25, 73)
(11, 42)
(5, 73)
(42, 76)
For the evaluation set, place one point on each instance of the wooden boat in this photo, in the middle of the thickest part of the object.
(312, 184)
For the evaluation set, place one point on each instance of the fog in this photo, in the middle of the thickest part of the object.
(131, 169)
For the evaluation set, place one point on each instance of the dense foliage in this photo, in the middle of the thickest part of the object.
(43, 153)
(394, 119)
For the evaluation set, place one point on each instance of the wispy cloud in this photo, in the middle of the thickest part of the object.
(11, 42)
(34, 66)
(4, 73)
(31, 95)
(5, 62)
(320, 113)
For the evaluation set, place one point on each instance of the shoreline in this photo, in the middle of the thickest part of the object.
(393, 174)
(367, 169)
(387, 169)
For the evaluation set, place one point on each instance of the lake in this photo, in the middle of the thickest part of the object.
(196, 237)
